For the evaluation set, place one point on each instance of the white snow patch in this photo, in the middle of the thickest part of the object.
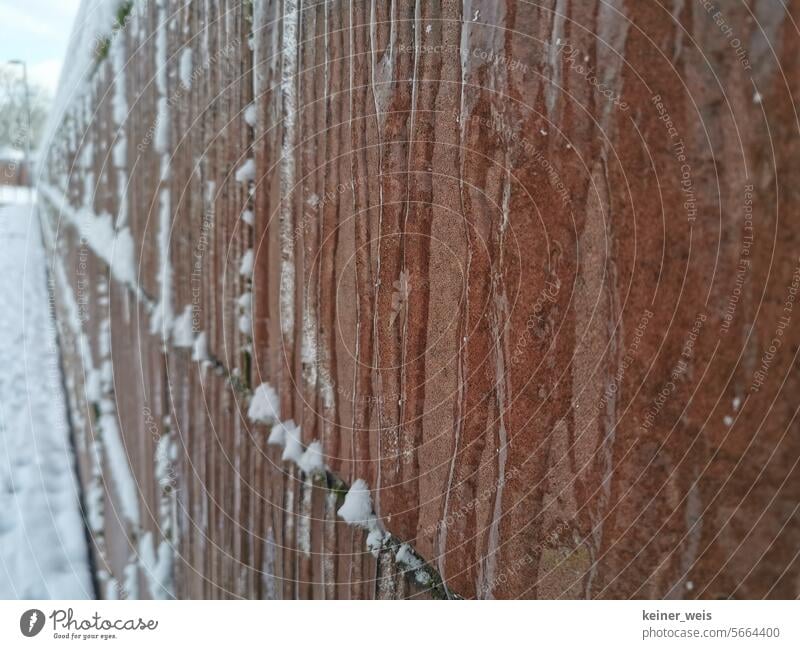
(265, 405)
(247, 172)
(200, 348)
(156, 567)
(119, 153)
(165, 455)
(123, 258)
(277, 436)
(130, 582)
(161, 49)
(93, 387)
(161, 136)
(182, 334)
(406, 556)
(312, 461)
(162, 315)
(250, 115)
(185, 67)
(357, 506)
(245, 304)
(119, 102)
(293, 450)
(245, 324)
(246, 265)
(114, 247)
(375, 541)
(119, 467)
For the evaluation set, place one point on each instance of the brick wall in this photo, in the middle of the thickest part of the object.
(503, 270)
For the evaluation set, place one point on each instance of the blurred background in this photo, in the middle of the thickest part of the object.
(34, 39)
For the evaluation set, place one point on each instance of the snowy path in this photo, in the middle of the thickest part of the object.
(43, 551)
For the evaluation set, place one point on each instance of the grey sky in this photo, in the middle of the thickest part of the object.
(37, 31)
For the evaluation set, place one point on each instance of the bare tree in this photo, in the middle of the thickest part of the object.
(13, 114)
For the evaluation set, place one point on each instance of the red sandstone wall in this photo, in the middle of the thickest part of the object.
(517, 265)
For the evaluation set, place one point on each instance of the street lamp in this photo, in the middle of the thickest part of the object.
(28, 170)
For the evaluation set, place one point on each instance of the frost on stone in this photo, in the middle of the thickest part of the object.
(312, 461)
(182, 334)
(265, 405)
(357, 506)
(246, 265)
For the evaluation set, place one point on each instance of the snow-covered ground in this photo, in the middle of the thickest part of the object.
(43, 552)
